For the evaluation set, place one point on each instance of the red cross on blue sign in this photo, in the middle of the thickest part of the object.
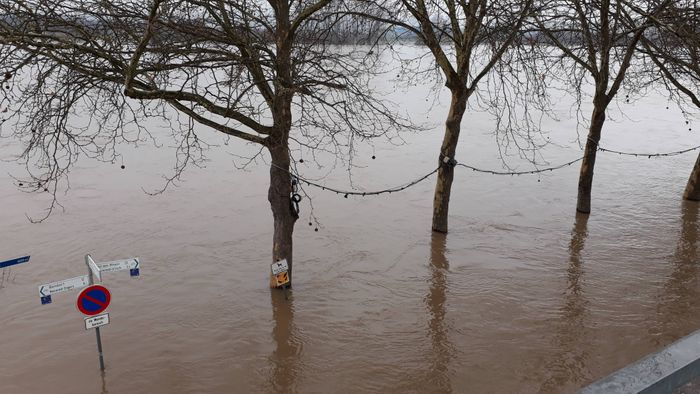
(93, 300)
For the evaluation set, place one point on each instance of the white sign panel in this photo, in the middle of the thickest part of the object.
(119, 265)
(63, 285)
(279, 267)
(96, 321)
(95, 269)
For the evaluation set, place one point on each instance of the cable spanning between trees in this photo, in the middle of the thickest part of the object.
(531, 172)
(347, 193)
(395, 189)
(649, 155)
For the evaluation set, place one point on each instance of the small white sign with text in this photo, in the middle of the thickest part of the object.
(279, 267)
(96, 321)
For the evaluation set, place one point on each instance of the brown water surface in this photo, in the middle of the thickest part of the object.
(522, 296)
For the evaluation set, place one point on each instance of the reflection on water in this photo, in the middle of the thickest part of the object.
(569, 363)
(104, 383)
(6, 276)
(680, 291)
(435, 302)
(285, 357)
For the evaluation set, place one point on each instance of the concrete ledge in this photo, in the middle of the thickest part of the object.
(660, 372)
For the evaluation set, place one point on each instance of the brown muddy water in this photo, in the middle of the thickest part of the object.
(522, 296)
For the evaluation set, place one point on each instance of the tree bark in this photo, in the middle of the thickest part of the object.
(280, 190)
(692, 189)
(585, 180)
(443, 188)
(279, 196)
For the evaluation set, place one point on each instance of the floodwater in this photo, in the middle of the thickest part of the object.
(522, 296)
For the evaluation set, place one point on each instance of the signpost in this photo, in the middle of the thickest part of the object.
(12, 262)
(94, 299)
(94, 269)
(46, 290)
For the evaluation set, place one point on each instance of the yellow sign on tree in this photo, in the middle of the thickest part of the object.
(280, 271)
(282, 278)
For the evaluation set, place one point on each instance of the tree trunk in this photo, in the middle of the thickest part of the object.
(692, 189)
(280, 191)
(279, 196)
(441, 202)
(585, 180)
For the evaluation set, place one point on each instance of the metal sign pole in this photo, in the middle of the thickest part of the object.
(99, 348)
(97, 329)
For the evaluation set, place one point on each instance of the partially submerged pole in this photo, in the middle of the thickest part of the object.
(91, 282)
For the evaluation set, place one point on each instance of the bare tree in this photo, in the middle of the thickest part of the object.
(674, 52)
(467, 40)
(598, 41)
(81, 77)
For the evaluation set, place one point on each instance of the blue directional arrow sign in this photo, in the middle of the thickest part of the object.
(12, 262)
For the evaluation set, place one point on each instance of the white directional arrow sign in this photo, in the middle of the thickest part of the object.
(118, 265)
(63, 285)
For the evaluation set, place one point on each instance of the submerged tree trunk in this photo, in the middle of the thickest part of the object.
(585, 180)
(279, 196)
(692, 189)
(441, 202)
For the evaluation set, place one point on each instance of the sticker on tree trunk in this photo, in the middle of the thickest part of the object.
(280, 270)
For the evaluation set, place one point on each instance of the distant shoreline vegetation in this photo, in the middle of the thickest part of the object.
(352, 33)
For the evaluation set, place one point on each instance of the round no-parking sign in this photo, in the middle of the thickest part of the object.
(93, 300)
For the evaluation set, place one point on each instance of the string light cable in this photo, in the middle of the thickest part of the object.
(296, 178)
(447, 162)
(531, 172)
(649, 155)
(638, 154)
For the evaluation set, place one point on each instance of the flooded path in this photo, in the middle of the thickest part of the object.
(522, 296)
